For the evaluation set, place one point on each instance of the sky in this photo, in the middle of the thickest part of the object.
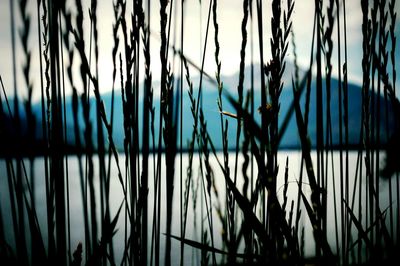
(230, 14)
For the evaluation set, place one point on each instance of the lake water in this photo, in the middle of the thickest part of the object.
(77, 225)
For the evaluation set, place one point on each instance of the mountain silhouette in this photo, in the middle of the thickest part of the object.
(290, 139)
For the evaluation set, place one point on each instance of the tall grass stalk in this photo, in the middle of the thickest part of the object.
(232, 245)
(319, 113)
(327, 39)
(166, 114)
(42, 94)
(263, 98)
(346, 125)
(31, 126)
(147, 107)
(100, 132)
(250, 236)
(20, 233)
(340, 122)
(181, 131)
(372, 181)
(65, 140)
(393, 38)
(391, 28)
(56, 140)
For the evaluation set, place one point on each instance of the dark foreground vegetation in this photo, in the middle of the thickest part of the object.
(259, 226)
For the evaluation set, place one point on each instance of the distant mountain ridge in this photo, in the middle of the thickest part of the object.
(290, 138)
